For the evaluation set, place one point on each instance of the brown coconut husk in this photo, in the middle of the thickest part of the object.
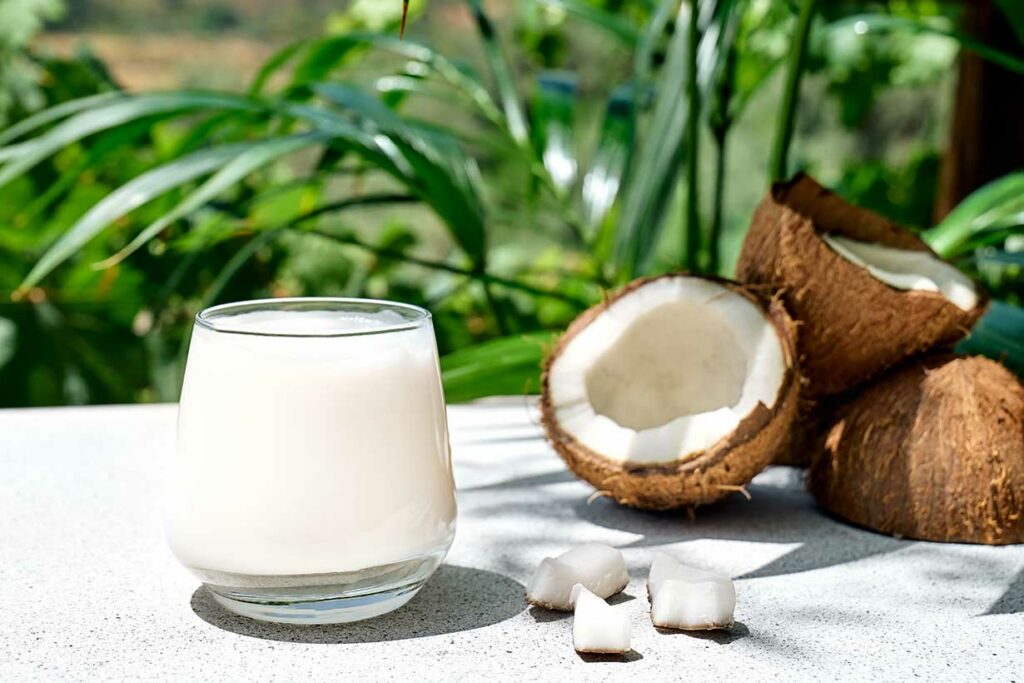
(934, 451)
(806, 435)
(704, 477)
(852, 325)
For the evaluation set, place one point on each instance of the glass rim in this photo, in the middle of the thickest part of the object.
(418, 315)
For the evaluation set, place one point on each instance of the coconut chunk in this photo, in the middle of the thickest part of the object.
(687, 598)
(597, 567)
(597, 626)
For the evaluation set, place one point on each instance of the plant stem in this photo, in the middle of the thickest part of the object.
(405, 14)
(790, 96)
(721, 123)
(495, 306)
(715, 235)
(691, 225)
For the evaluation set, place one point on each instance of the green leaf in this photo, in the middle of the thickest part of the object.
(502, 75)
(507, 366)
(795, 68)
(125, 199)
(92, 121)
(997, 205)
(604, 175)
(999, 335)
(322, 57)
(55, 113)
(105, 145)
(8, 340)
(1014, 11)
(241, 166)
(609, 21)
(864, 23)
(235, 263)
(434, 169)
(655, 168)
(272, 66)
(552, 113)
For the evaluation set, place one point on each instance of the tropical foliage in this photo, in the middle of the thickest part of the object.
(506, 203)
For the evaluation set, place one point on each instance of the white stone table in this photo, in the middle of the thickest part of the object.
(89, 591)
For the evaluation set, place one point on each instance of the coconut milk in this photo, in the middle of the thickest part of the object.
(310, 455)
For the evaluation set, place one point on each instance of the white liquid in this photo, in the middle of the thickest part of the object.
(310, 455)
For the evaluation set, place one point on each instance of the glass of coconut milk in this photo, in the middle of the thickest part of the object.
(312, 481)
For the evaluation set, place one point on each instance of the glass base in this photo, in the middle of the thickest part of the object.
(321, 598)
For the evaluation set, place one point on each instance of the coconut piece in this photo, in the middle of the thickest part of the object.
(675, 391)
(934, 450)
(597, 626)
(597, 567)
(865, 292)
(687, 598)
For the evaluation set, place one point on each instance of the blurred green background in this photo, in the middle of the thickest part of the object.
(502, 166)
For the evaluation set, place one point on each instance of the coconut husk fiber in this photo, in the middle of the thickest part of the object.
(852, 326)
(934, 450)
(704, 477)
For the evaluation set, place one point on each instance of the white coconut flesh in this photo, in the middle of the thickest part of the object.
(687, 598)
(597, 626)
(597, 567)
(907, 269)
(666, 371)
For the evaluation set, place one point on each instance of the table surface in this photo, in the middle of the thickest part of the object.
(88, 589)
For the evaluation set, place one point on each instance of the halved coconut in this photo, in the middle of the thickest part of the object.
(865, 292)
(934, 450)
(673, 392)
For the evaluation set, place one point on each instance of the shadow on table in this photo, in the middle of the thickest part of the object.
(625, 658)
(454, 599)
(775, 514)
(1012, 600)
(542, 615)
(735, 632)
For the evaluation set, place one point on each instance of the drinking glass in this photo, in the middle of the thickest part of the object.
(312, 480)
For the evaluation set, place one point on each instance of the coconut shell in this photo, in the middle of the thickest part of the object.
(806, 435)
(702, 478)
(934, 450)
(852, 325)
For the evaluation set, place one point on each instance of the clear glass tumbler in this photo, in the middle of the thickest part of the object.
(312, 481)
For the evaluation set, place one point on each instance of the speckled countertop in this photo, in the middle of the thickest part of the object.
(89, 591)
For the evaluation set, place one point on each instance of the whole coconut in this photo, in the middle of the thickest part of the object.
(852, 325)
(934, 451)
